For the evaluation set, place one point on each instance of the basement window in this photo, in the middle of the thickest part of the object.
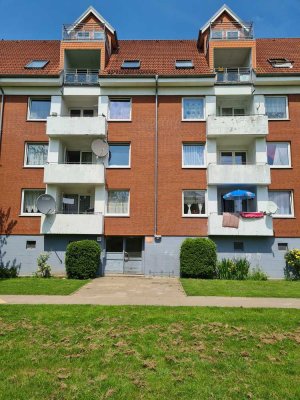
(36, 64)
(30, 244)
(131, 64)
(283, 246)
(280, 63)
(184, 64)
(238, 246)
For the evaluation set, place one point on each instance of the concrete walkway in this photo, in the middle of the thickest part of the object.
(146, 291)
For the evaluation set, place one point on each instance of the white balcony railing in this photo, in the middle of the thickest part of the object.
(256, 174)
(247, 227)
(74, 174)
(80, 77)
(72, 224)
(250, 125)
(61, 126)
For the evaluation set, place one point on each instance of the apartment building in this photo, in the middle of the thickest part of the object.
(137, 142)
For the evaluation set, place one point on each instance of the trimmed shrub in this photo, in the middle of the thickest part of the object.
(236, 269)
(82, 259)
(198, 258)
(292, 269)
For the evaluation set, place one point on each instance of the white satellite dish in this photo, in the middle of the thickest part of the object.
(100, 148)
(46, 204)
(271, 208)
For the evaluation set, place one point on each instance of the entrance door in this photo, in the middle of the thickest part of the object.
(124, 255)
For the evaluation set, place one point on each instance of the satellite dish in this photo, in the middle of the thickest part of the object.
(271, 208)
(100, 148)
(46, 204)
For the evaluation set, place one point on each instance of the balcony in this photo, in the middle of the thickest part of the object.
(83, 32)
(256, 174)
(231, 31)
(247, 227)
(233, 75)
(74, 174)
(72, 224)
(81, 77)
(62, 126)
(251, 125)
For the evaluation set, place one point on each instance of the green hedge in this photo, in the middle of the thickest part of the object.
(82, 259)
(198, 258)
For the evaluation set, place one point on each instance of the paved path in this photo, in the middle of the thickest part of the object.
(146, 291)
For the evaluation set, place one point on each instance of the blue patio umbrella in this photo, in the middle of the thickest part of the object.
(239, 195)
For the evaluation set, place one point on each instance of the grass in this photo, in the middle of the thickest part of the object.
(95, 353)
(35, 286)
(280, 288)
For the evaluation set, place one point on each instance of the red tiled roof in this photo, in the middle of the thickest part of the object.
(16, 54)
(277, 48)
(157, 57)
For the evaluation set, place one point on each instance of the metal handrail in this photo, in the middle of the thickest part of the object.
(231, 31)
(83, 32)
(240, 165)
(78, 213)
(233, 74)
(81, 76)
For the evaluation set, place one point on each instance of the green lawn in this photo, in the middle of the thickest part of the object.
(51, 286)
(93, 353)
(280, 288)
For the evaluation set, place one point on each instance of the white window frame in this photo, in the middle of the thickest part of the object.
(289, 155)
(80, 151)
(25, 155)
(230, 31)
(204, 166)
(116, 99)
(129, 156)
(81, 111)
(194, 215)
(78, 200)
(285, 216)
(286, 107)
(193, 98)
(233, 155)
(233, 111)
(114, 214)
(30, 98)
(23, 214)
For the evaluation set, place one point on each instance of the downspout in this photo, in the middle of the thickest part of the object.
(1, 116)
(156, 161)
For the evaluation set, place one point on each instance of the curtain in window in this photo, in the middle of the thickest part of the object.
(37, 154)
(194, 202)
(282, 200)
(117, 202)
(193, 155)
(278, 153)
(39, 109)
(119, 109)
(30, 198)
(193, 108)
(276, 107)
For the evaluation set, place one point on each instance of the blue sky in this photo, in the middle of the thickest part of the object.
(142, 19)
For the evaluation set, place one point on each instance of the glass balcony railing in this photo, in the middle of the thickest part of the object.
(231, 31)
(233, 75)
(83, 32)
(81, 76)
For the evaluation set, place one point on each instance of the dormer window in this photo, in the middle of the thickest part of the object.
(184, 64)
(131, 64)
(280, 63)
(36, 64)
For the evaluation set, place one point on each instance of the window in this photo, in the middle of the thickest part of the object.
(230, 112)
(114, 244)
(29, 198)
(36, 154)
(118, 202)
(278, 154)
(120, 109)
(134, 64)
(30, 244)
(283, 200)
(36, 64)
(77, 204)
(83, 35)
(39, 109)
(217, 34)
(192, 108)
(238, 246)
(283, 246)
(79, 157)
(119, 155)
(280, 63)
(81, 113)
(276, 107)
(184, 64)
(193, 155)
(233, 157)
(232, 34)
(194, 203)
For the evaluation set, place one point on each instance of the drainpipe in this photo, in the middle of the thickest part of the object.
(1, 115)
(156, 160)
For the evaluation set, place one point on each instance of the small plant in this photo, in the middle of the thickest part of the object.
(292, 269)
(83, 259)
(198, 258)
(7, 272)
(256, 274)
(235, 269)
(44, 269)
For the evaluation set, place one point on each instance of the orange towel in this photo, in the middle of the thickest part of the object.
(230, 220)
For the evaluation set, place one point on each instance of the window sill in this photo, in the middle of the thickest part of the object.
(117, 215)
(36, 120)
(195, 216)
(33, 166)
(278, 119)
(281, 167)
(119, 120)
(118, 167)
(30, 215)
(193, 120)
(284, 217)
(194, 167)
